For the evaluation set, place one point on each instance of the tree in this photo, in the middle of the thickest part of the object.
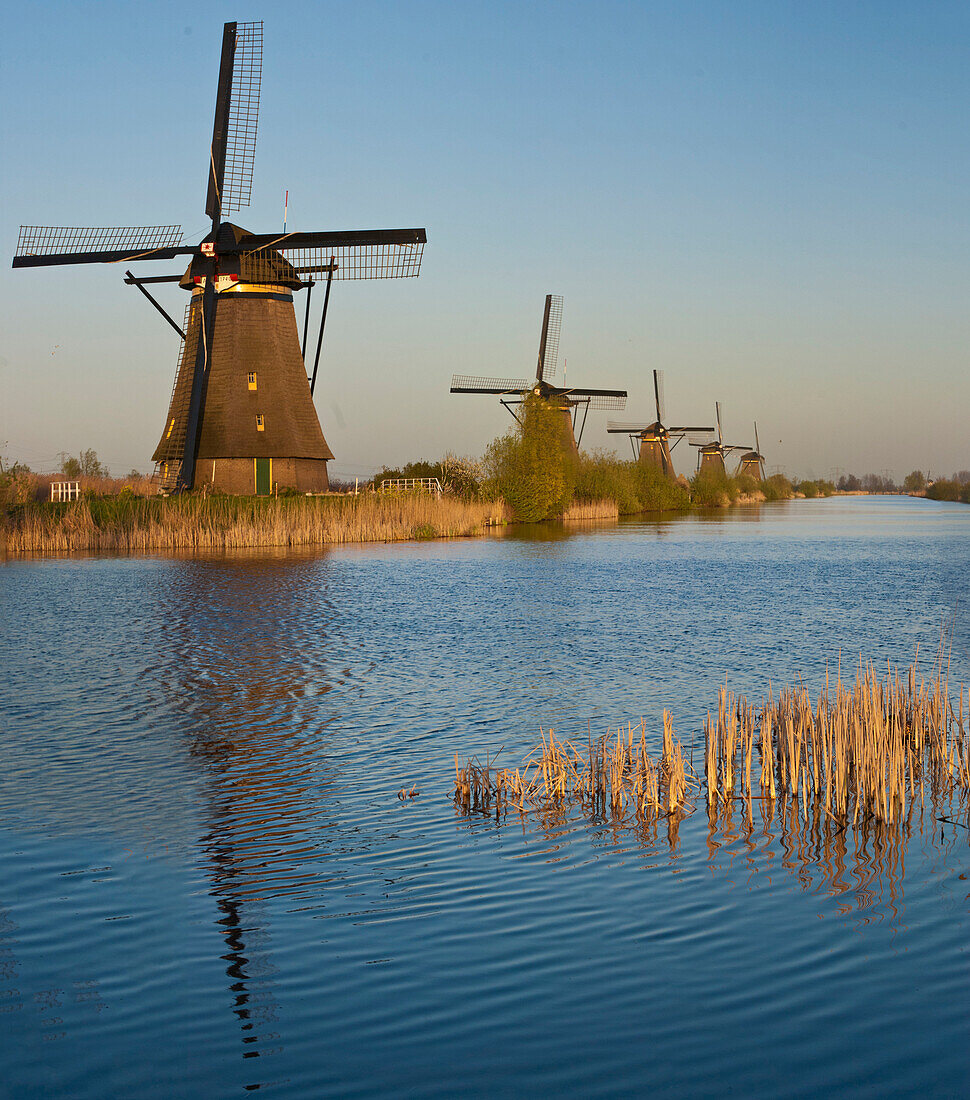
(914, 482)
(533, 467)
(87, 464)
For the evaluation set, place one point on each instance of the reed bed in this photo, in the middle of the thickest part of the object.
(863, 751)
(861, 755)
(612, 778)
(126, 524)
(592, 509)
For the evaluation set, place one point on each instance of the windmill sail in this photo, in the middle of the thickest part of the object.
(49, 245)
(243, 118)
(549, 340)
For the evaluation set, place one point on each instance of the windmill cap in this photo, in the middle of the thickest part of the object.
(272, 267)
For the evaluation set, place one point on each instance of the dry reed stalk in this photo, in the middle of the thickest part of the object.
(222, 523)
(614, 777)
(859, 753)
(591, 509)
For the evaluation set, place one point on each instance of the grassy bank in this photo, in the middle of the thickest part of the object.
(128, 523)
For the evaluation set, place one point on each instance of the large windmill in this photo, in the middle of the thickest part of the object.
(655, 439)
(241, 417)
(710, 456)
(753, 462)
(570, 399)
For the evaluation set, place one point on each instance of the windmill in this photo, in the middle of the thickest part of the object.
(567, 398)
(654, 439)
(710, 456)
(241, 416)
(753, 462)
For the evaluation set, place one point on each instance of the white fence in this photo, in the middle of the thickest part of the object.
(65, 490)
(411, 485)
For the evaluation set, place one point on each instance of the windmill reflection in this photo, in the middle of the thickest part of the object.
(251, 665)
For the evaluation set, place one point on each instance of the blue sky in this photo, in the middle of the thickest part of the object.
(766, 200)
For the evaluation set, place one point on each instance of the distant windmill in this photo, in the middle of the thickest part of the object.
(654, 439)
(753, 462)
(567, 398)
(241, 416)
(710, 456)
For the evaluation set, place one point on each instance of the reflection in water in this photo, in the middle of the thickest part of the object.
(240, 668)
(861, 865)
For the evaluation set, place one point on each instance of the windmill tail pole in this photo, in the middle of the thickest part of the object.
(323, 321)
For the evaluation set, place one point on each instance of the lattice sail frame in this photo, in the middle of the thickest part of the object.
(50, 240)
(550, 360)
(247, 72)
(470, 383)
(599, 401)
(372, 261)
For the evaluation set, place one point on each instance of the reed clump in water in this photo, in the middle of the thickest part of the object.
(859, 752)
(194, 522)
(614, 778)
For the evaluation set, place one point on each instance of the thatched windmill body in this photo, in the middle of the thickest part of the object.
(710, 456)
(241, 418)
(753, 462)
(569, 399)
(651, 443)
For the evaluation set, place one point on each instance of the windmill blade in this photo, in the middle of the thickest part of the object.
(353, 254)
(615, 427)
(583, 392)
(757, 445)
(52, 246)
(466, 383)
(701, 437)
(549, 340)
(611, 400)
(690, 430)
(658, 392)
(717, 409)
(247, 71)
(234, 126)
(726, 448)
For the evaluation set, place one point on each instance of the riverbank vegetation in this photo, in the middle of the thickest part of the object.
(128, 523)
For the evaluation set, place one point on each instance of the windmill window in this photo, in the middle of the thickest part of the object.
(252, 380)
(170, 427)
(259, 422)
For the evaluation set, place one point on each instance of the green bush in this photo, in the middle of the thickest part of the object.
(944, 489)
(713, 489)
(777, 487)
(808, 489)
(533, 467)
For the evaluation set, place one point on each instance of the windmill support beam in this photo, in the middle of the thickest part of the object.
(585, 404)
(508, 405)
(193, 426)
(323, 321)
(306, 321)
(132, 281)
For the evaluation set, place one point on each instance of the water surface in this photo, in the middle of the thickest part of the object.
(208, 884)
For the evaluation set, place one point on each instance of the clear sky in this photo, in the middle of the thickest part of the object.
(767, 200)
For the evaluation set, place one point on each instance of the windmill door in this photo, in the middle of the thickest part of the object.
(263, 476)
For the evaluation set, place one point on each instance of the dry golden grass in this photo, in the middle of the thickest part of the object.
(126, 524)
(859, 752)
(592, 509)
(613, 777)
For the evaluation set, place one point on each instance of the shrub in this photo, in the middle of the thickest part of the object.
(777, 487)
(944, 489)
(712, 489)
(533, 466)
